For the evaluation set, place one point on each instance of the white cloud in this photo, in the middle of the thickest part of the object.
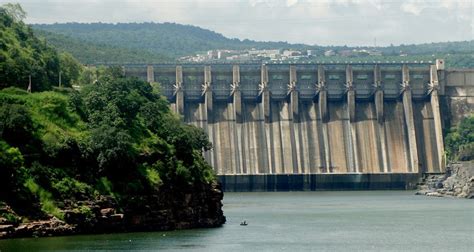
(413, 7)
(290, 3)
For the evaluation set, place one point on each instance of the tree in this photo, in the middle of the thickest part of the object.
(70, 69)
(16, 125)
(460, 140)
(23, 55)
(15, 11)
(10, 159)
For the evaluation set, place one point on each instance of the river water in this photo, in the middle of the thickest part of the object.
(302, 221)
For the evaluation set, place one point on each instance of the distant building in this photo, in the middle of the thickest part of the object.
(375, 53)
(273, 51)
(263, 53)
(329, 53)
(212, 54)
(244, 57)
(233, 57)
(289, 53)
(222, 54)
(346, 53)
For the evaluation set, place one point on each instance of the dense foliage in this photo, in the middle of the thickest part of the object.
(23, 55)
(460, 141)
(99, 43)
(115, 137)
(95, 53)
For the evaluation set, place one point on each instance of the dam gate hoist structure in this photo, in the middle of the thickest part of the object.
(311, 126)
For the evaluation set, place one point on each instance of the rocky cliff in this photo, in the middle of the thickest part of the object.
(457, 182)
(196, 207)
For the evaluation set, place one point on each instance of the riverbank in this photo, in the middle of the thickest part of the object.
(458, 181)
(196, 207)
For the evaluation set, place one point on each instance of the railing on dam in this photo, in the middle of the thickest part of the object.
(278, 74)
(308, 118)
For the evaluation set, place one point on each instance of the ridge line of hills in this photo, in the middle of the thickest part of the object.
(96, 43)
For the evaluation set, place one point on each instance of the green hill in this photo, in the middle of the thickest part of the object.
(95, 53)
(97, 43)
(23, 55)
(169, 39)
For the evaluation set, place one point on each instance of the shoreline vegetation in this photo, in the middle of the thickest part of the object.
(111, 157)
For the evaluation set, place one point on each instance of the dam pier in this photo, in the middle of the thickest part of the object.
(316, 126)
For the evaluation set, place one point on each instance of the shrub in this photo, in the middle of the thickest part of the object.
(16, 124)
(459, 141)
(153, 177)
(11, 218)
(68, 188)
(11, 160)
(45, 198)
(105, 187)
(86, 212)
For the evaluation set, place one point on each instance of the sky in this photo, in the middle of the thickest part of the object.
(319, 22)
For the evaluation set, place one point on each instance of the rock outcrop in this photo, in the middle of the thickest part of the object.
(457, 182)
(196, 207)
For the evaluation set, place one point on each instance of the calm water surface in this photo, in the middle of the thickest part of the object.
(302, 221)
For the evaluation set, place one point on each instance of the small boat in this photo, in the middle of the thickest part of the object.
(243, 223)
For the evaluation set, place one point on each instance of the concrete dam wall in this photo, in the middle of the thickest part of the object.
(459, 95)
(279, 126)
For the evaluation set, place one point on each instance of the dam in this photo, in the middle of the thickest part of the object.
(312, 126)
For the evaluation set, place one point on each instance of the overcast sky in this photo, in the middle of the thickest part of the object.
(322, 22)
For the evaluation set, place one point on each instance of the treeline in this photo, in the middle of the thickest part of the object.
(431, 48)
(60, 147)
(417, 49)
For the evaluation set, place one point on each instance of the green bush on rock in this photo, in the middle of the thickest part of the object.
(69, 188)
(460, 141)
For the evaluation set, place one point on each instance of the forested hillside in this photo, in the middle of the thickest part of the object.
(94, 53)
(23, 55)
(100, 43)
(65, 153)
(161, 39)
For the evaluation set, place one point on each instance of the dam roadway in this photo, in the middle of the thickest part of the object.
(315, 126)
